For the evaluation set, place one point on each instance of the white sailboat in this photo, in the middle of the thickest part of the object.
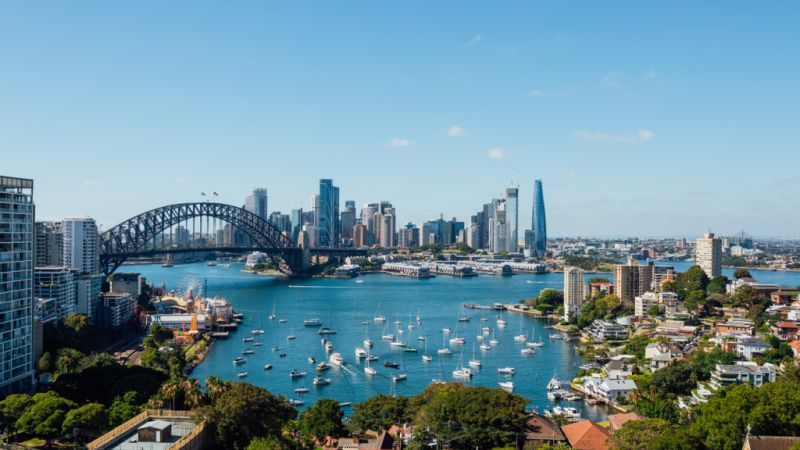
(402, 376)
(272, 316)
(444, 350)
(369, 370)
(367, 340)
(521, 337)
(536, 344)
(426, 357)
(493, 341)
(501, 323)
(461, 372)
(474, 362)
(378, 317)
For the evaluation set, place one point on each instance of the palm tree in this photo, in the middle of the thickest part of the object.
(191, 392)
(215, 386)
(170, 390)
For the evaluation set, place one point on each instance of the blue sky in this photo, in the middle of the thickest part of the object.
(642, 118)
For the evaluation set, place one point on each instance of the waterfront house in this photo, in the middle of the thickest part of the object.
(607, 389)
(586, 435)
(661, 354)
(604, 330)
(618, 368)
(539, 430)
(743, 372)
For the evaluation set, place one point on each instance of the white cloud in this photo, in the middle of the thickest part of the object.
(178, 180)
(535, 93)
(594, 136)
(456, 131)
(474, 40)
(496, 153)
(397, 143)
(646, 135)
(90, 182)
(611, 79)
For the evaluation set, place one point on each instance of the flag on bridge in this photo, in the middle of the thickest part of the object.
(216, 195)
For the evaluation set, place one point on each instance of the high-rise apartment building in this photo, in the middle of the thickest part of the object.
(297, 223)
(327, 217)
(58, 283)
(281, 221)
(708, 255)
(575, 290)
(539, 221)
(16, 285)
(632, 279)
(359, 235)
(512, 220)
(49, 244)
(498, 230)
(256, 203)
(368, 211)
(348, 219)
(387, 229)
(81, 244)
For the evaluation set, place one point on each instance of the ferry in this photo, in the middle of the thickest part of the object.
(312, 323)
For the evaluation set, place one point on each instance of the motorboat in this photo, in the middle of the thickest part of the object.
(257, 344)
(295, 402)
(360, 352)
(507, 385)
(296, 374)
(485, 347)
(399, 377)
(282, 320)
(427, 358)
(256, 331)
(397, 344)
(211, 263)
(506, 370)
(248, 351)
(336, 359)
(345, 404)
(391, 365)
(312, 323)
(444, 351)
(370, 371)
(463, 319)
(325, 330)
(328, 347)
(311, 360)
(300, 390)
(276, 349)
(421, 338)
(556, 336)
(248, 339)
(241, 375)
(239, 360)
(527, 351)
(372, 358)
(291, 337)
(267, 366)
(323, 366)
(368, 343)
(554, 384)
(408, 349)
(457, 341)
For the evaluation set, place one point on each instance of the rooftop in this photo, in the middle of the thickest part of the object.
(585, 435)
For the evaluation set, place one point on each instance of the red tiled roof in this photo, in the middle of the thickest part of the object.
(786, 325)
(618, 420)
(585, 435)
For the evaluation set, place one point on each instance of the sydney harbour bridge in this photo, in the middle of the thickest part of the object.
(172, 229)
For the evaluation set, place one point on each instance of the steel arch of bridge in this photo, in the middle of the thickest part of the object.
(133, 236)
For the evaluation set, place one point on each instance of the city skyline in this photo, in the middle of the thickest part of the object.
(604, 120)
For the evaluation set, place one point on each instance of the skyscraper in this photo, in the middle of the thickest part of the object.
(49, 244)
(257, 203)
(16, 285)
(327, 219)
(631, 280)
(81, 244)
(574, 291)
(498, 230)
(368, 211)
(708, 254)
(297, 223)
(348, 219)
(538, 221)
(512, 220)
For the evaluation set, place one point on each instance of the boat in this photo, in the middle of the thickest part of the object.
(520, 338)
(419, 318)
(554, 384)
(506, 370)
(248, 351)
(421, 338)
(328, 347)
(248, 339)
(391, 365)
(312, 323)
(457, 341)
(167, 264)
(378, 317)
(571, 413)
(295, 402)
(485, 347)
(282, 355)
(446, 330)
(360, 352)
(554, 396)
(276, 349)
(493, 341)
(479, 337)
(372, 358)
(474, 362)
(461, 372)
(485, 331)
(463, 319)
(556, 336)
(507, 385)
(291, 337)
(325, 331)
(484, 319)
(534, 344)
(427, 358)
(573, 397)
(410, 349)
(238, 360)
(211, 263)
(345, 404)
(357, 282)
(399, 377)
(368, 343)
(282, 320)
(300, 390)
(336, 359)
(410, 327)
(267, 366)
(241, 375)
(296, 374)
(311, 360)
(256, 331)
(501, 323)
(527, 351)
(438, 381)
(323, 366)
(444, 350)
(397, 344)
(272, 315)
(257, 344)
(370, 371)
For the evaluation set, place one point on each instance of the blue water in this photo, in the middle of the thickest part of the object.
(344, 304)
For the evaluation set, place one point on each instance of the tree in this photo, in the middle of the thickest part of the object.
(271, 444)
(717, 285)
(69, 360)
(161, 334)
(639, 434)
(90, 418)
(123, 408)
(473, 417)
(244, 412)
(654, 310)
(742, 273)
(656, 405)
(45, 363)
(703, 362)
(694, 279)
(321, 420)
(12, 408)
(636, 346)
(379, 413)
(676, 378)
(45, 416)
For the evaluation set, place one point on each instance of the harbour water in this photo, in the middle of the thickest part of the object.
(345, 304)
